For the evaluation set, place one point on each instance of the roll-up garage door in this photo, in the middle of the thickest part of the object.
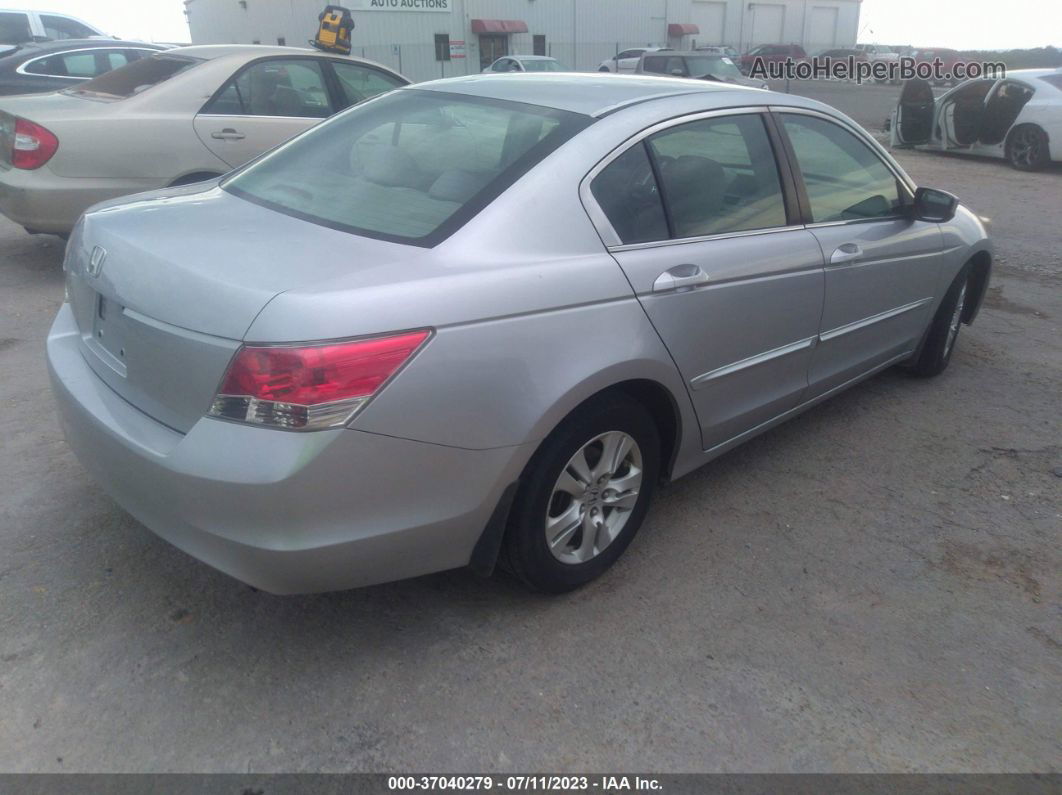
(710, 17)
(767, 22)
(822, 28)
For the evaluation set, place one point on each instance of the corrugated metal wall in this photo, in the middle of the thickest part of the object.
(404, 40)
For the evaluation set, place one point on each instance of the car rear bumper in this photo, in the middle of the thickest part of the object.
(42, 201)
(285, 512)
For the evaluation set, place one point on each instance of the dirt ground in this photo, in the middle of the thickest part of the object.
(874, 586)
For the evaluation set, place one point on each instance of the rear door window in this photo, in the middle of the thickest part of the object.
(277, 87)
(718, 175)
(627, 193)
(71, 64)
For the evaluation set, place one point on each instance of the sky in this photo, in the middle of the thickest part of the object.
(962, 24)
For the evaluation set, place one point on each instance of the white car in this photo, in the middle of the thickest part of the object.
(183, 115)
(1018, 118)
(19, 25)
(526, 63)
(878, 52)
(627, 61)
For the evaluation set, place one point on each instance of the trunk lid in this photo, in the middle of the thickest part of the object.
(164, 286)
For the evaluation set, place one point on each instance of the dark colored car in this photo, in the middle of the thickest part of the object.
(771, 53)
(54, 65)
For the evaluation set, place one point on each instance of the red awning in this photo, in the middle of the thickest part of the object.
(499, 26)
(677, 29)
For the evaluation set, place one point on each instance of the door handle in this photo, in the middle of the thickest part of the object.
(228, 134)
(681, 277)
(846, 252)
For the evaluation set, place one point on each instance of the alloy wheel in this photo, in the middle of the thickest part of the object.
(1025, 148)
(593, 497)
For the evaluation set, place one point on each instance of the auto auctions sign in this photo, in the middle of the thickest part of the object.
(400, 5)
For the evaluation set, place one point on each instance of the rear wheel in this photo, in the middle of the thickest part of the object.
(584, 495)
(1027, 148)
(944, 330)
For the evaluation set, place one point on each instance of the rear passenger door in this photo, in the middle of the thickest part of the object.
(263, 105)
(700, 215)
(881, 265)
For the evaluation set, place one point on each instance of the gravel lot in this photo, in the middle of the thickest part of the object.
(873, 586)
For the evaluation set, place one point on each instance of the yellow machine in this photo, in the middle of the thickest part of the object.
(333, 32)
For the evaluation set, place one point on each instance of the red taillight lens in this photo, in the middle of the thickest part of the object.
(310, 387)
(33, 145)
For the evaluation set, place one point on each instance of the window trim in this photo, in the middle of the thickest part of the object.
(21, 68)
(904, 183)
(786, 181)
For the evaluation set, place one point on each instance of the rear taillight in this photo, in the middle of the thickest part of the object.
(33, 145)
(310, 387)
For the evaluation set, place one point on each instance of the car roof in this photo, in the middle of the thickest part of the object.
(530, 57)
(95, 41)
(682, 53)
(208, 52)
(597, 94)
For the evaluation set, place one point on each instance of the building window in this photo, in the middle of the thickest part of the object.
(442, 46)
(282, 41)
(539, 44)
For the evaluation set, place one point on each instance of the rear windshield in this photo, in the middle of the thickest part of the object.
(411, 166)
(542, 66)
(136, 77)
(1054, 80)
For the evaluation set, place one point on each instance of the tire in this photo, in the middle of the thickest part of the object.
(605, 69)
(1027, 148)
(576, 558)
(943, 330)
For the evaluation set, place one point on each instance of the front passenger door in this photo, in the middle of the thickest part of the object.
(881, 265)
(263, 105)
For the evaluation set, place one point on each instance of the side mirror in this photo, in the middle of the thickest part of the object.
(676, 72)
(936, 206)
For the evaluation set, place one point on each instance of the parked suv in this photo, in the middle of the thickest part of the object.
(696, 64)
(771, 53)
(627, 60)
(21, 25)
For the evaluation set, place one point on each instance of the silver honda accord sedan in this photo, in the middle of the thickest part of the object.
(478, 320)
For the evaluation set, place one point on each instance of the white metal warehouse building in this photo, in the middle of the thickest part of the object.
(427, 39)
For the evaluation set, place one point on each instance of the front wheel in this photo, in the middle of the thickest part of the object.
(944, 329)
(1027, 148)
(584, 495)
